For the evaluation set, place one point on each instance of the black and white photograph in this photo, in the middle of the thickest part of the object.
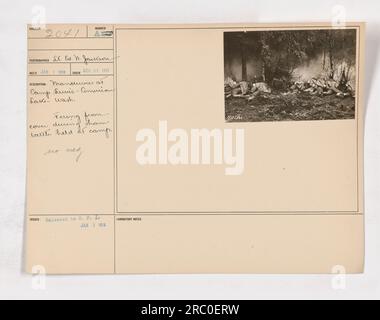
(127, 174)
(287, 75)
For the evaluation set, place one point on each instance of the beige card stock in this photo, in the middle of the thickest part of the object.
(195, 149)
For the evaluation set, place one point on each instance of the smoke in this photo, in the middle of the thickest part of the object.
(233, 68)
(318, 67)
(310, 69)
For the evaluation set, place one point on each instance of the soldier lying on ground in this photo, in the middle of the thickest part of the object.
(259, 87)
(350, 87)
(244, 89)
(230, 83)
(299, 86)
(240, 90)
(321, 87)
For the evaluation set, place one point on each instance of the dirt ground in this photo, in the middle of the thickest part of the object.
(277, 106)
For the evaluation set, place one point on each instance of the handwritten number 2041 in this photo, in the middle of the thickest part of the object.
(50, 33)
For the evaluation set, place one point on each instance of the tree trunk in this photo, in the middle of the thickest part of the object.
(331, 64)
(331, 45)
(243, 61)
(263, 70)
(324, 60)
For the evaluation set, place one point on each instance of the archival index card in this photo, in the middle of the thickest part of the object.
(195, 148)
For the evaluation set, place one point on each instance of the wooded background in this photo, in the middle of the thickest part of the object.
(290, 55)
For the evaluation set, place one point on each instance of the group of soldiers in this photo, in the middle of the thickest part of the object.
(244, 89)
(324, 87)
(320, 87)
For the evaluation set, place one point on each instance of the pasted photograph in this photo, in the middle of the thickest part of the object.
(289, 75)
